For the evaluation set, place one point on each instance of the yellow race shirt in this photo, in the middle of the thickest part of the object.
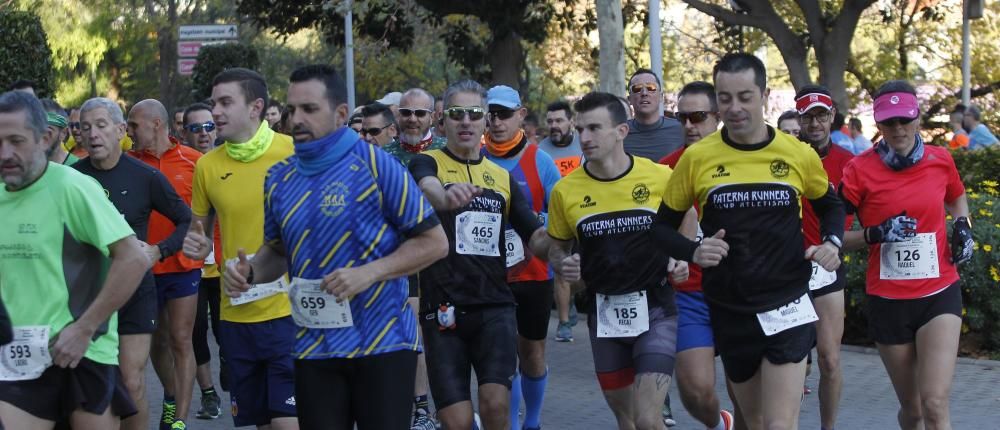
(753, 192)
(236, 191)
(611, 220)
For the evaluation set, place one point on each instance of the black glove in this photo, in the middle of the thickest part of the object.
(893, 229)
(961, 241)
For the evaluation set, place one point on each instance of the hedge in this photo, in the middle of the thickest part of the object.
(213, 59)
(24, 53)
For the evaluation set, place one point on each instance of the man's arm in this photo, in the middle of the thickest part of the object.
(562, 259)
(267, 265)
(413, 255)
(830, 211)
(166, 201)
(424, 171)
(129, 263)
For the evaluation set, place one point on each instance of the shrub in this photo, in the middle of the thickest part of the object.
(213, 59)
(24, 53)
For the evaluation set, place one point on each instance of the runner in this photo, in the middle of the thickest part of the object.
(608, 207)
(563, 145)
(914, 295)
(136, 190)
(747, 181)
(528, 276)
(468, 316)
(651, 135)
(356, 350)
(78, 257)
(199, 130)
(698, 112)
(416, 117)
(256, 329)
(814, 105)
(788, 122)
(177, 277)
(378, 124)
(56, 118)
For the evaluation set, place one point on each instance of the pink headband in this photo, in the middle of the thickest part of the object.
(896, 105)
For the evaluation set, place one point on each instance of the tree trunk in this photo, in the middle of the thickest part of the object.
(506, 56)
(167, 45)
(612, 47)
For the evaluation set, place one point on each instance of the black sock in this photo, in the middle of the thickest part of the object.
(421, 402)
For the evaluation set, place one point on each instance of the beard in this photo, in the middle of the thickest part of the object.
(412, 139)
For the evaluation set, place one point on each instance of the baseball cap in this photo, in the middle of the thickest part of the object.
(502, 95)
(896, 105)
(391, 98)
(811, 96)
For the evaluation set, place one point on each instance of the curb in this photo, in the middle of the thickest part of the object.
(989, 364)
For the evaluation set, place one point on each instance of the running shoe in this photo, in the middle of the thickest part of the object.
(211, 406)
(178, 425)
(422, 420)
(564, 332)
(168, 416)
(727, 419)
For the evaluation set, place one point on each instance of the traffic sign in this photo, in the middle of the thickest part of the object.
(185, 66)
(190, 49)
(200, 32)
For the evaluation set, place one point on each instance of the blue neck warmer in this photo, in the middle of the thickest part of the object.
(899, 162)
(317, 156)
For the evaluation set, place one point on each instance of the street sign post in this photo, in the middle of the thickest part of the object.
(185, 66)
(202, 32)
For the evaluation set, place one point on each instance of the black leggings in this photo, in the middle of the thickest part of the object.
(208, 303)
(374, 392)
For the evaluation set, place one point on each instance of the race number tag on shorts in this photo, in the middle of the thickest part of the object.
(820, 277)
(27, 356)
(913, 259)
(625, 315)
(515, 248)
(478, 233)
(799, 311)
(258, 291)
(313, 307)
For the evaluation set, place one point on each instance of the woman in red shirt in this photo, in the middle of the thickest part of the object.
(900, 192)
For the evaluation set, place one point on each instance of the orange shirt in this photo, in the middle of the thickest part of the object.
(177, 164)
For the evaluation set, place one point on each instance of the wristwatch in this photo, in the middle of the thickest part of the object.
(834, 240)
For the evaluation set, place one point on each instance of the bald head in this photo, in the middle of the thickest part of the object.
(149, 126)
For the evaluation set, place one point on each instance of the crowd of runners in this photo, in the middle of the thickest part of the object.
(356, 268)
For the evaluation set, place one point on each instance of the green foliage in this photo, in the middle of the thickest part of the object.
(24, 53)
(980, 277)
(213, 59)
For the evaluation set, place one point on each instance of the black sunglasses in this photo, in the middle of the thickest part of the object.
(503, 114)
(197, 128)
(420, 113)
(74, 125)
(696, 117)
(374, 131)
(457, 113)
(892, 122)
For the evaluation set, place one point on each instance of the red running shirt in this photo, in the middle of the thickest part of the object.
(921, 190)
(834, 162)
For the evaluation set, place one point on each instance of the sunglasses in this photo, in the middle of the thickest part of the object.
(649, 87)
(420, 113)
(74, 125)
(820, 118)
(197, 128)
(696, 117)
(374, 131)
(457, 113)
(892, 122)
(503, 115)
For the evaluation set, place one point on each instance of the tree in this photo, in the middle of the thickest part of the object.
(25, 53)
(828, 33)
(213, 59)
(612, 56)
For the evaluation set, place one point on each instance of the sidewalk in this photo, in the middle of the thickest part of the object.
(573, 399)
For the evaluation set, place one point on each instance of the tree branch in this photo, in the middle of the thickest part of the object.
(973, 93)
(723, 14)
(865, 81)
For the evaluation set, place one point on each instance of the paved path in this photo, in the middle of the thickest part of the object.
(574, 402)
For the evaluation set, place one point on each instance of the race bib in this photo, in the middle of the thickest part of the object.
(625, 315)
(27, 356)
(915, 258)
(820, 277)
(258, 291)
(515, 248)
(478, 233)
(800, 311)
(313, 307)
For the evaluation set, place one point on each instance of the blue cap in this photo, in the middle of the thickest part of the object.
(503, 95)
